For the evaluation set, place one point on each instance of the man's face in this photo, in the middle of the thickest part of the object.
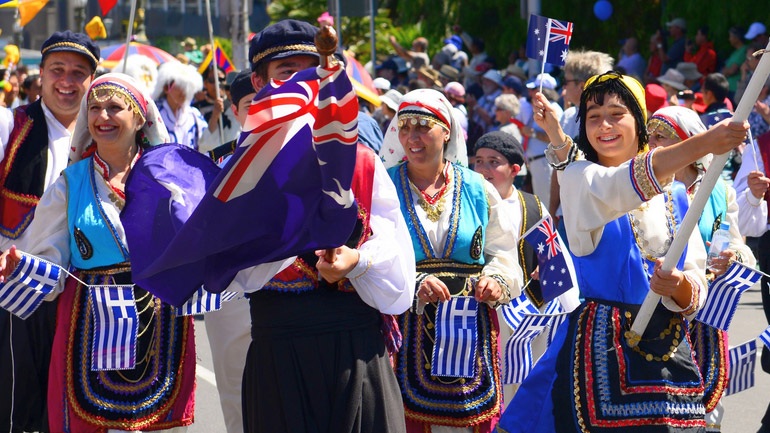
(64, 78)
(282, 69)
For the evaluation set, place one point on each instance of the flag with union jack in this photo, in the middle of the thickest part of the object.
(454, 351)
(285, 191)
(724, 293)
(743, 360)
(116, 327)
(556, 275)
(548, 39)
(24, 290)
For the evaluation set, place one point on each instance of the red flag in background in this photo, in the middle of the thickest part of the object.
(107, 6)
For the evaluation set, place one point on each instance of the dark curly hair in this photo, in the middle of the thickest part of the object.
(596, 92)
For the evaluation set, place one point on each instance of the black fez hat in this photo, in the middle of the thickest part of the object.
(504, 143)
(241, 86)
(283, 39)
(73, 42)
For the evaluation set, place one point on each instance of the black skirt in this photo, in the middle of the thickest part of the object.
(25, 353)
(317, 363)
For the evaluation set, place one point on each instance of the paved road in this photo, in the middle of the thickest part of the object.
(743, 411)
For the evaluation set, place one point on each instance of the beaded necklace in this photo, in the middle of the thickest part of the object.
(433, 205)
(641, 240)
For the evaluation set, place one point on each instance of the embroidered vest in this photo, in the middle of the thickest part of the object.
(468, 221)
(22, 171)
(302, 275)
(714, 212)
(531, 213)
(90, 229)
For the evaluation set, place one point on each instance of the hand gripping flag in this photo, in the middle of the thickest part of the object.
(454, 351)
(743, 359)
(285, 191)
(548, 39)
(116, 326)
(556, 269)
(724, 293)
(24, 290)
(203, 301)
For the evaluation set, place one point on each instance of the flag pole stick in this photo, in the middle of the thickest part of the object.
(545, 52)
(214, 69)
(129, 33)
(699, 201)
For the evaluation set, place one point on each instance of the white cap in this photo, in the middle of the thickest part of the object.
(755, 29)
(495, 76)
(391, 98)
(381, 83)
(548, 81)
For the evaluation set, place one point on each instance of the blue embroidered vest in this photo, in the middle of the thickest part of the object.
(468, 221)
(90, 229)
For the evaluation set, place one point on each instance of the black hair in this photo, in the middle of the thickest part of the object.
(596, 92)
(718, 85)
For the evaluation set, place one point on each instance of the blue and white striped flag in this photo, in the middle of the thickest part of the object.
(203, 301)
(555, 309)
(724, 294)
(765, 337)
(24, 290)
(518, 349)
(514, 311)
(116, 324)
(454, 351)
(742, 361)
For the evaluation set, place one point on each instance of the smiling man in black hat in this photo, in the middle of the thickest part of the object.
(36, 152)
(318, 360)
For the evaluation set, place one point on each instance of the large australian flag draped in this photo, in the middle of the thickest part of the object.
(285, 191)
(556, 268)
(548, 39)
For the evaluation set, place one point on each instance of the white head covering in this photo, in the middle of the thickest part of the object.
(430, 103)
(684, 123)
(142, 68)
(154, 130)
(186, 76)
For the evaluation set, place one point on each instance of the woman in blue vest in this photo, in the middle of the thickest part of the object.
(464, 246)
(621, 212)
(77, 226)
(668, 126)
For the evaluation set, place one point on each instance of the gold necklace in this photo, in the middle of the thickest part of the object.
(433, 206)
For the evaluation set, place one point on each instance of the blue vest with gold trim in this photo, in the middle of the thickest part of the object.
(93, 239)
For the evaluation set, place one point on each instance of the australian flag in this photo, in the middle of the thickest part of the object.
(555, 263)
(548, 39)
(285, 191)
(724, 294)
(116, 326)
(24, 290)
(743, 359)
(454, 351)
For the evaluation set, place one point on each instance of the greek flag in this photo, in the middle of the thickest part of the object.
(555, 310)
(514, 311)
(765, 337)
(116, 324)
(204, 302)
(456, 338)
(518, 350)
(724, 294)
(30, 282)
(742, 360)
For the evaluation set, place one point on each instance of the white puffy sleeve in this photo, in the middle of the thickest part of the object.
(752, 211)
(501, 244)
(385, 274)
(593, 195)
